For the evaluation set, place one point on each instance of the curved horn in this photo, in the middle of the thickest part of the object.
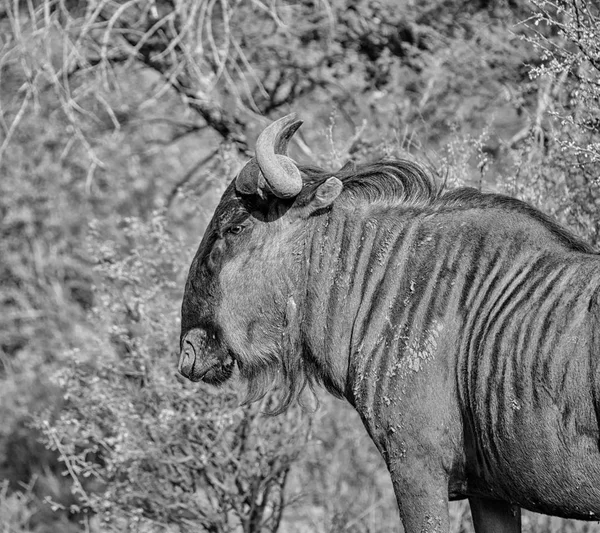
(280, 172)
(271, 163)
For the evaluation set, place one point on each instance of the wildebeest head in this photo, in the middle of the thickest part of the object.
(240, 301)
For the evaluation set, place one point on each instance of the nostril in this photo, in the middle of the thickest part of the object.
(187, 360)
(188, 348)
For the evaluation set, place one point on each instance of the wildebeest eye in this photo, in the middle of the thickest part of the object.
(234, 230)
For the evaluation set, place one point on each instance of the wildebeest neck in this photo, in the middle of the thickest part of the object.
(347, 253)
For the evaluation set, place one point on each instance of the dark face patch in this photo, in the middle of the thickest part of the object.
(203, 355)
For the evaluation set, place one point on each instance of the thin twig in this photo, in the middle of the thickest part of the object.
(188, 176)
(15, 123)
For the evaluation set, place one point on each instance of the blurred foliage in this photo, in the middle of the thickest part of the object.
(120, 125)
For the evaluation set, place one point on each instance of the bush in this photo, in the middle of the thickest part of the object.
(142, 448)
(565, 132)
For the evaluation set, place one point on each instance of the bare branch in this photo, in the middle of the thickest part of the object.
(15, 122)
(188, 176)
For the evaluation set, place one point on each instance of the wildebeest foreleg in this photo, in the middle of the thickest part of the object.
(422, 499)
(494, 516)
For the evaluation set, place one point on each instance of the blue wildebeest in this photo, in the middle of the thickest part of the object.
(463, 327)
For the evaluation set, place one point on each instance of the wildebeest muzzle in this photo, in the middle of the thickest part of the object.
(202, 359)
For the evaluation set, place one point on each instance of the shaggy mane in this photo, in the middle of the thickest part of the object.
(389, 181)
(403, 183)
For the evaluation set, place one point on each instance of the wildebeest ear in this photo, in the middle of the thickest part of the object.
(325, 194)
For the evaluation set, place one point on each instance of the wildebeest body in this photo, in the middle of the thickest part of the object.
(461, 326)
(473, 321)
